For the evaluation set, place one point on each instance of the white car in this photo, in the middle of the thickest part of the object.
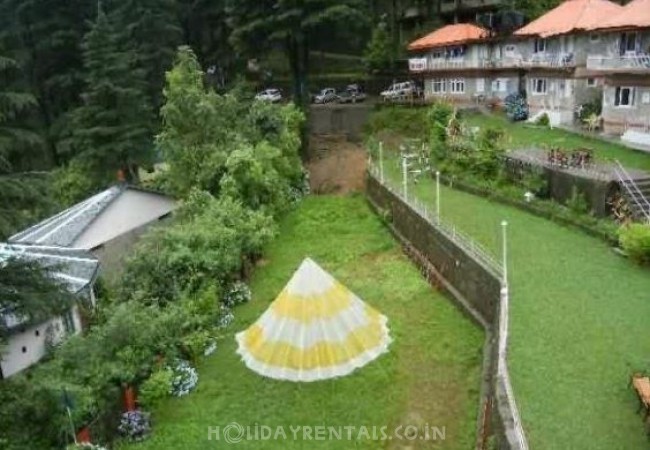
(400, 90)
(270, 95)
(327, 95)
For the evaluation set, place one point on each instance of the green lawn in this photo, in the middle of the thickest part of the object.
(579, 324)
(522, 135)
(431, 375)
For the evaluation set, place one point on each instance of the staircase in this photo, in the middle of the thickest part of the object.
(636, 192)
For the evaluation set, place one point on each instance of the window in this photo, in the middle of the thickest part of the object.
(594, 37)
(591, 82)
(538, 86)
(500, 85)
(510, 51)
(628, 43)
(480, 85)
(37, 333)
(438, 86)
(457, 86)
(24, 349)
(624, 96)
(437, 54)
(540, 46)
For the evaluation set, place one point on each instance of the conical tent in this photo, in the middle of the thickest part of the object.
(315, 329)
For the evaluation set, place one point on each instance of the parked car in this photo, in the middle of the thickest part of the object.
(401, 90)
(270, 95)
(327, 95)
(352, 94)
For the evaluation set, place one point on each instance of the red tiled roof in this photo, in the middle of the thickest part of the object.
(634, 15)
(570, 16)
(460, 33)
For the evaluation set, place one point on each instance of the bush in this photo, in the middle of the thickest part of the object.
(206, 246)
(635, 240)
(184, 378)
(408, 122)
(543, 120)
(577, 203)
(237, 294)
(135, 425)
(516, 107)
(157, 387)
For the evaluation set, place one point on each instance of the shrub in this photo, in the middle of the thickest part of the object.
(577, 202)
(516, 107)
(206, 246)
(184, 378)
(635, 240)
(543, 120)
(155, 388)
(196, 344)
(237, 294)
(135, 425)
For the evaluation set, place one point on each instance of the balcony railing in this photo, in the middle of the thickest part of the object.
(550, 60)
(450, 5)
(637, 61)
(427, 64)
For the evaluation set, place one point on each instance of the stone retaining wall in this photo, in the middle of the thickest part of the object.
(476, 288)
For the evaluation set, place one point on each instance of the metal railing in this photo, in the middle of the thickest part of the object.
(619, 62)
(634, 194)
(476, 250)
(491, 264)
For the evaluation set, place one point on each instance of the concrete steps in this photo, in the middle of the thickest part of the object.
(637, 194)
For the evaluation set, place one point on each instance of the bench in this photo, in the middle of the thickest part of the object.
(642, 387)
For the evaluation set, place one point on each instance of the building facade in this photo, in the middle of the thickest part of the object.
(582, 52)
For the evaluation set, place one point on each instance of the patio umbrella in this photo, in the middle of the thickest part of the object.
(314, 330)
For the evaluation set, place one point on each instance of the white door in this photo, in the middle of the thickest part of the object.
(480, 85)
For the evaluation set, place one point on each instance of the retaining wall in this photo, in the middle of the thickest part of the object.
(477, 288)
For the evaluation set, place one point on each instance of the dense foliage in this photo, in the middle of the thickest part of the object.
(635, 240)
(235, 166)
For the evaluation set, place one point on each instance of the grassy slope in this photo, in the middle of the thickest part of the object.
(579, 324)
(522, 135)
(431, 373)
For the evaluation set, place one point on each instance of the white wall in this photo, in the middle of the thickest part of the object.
(33, 340)
(131, 210)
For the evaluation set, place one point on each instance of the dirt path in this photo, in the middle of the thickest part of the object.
(337, 166)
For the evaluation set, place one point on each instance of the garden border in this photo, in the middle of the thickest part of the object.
(476, 283)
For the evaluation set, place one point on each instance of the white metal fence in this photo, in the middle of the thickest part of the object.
(490, 263)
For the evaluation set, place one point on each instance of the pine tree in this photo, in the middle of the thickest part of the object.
(44, 37)
(20, 196)
(113, 127)
(153, 30)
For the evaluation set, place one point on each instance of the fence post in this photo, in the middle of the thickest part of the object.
(405, 178)
(438, 196)
(504, 227)
(381, 162)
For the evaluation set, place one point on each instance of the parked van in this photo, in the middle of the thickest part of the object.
(401, 90)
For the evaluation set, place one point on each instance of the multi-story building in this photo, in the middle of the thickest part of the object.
(623, 60)
(554, 50)
(581, 51)
(458, 63)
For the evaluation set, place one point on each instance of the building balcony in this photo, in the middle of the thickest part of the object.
(417, 65)
(628, 62)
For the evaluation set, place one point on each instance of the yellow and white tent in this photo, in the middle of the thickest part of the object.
(315, 329)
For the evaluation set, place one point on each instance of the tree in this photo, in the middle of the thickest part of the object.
(291, 25)
(532, 9)
(113, 127)
(153, 32)
(21, 196)
(45, 39)
(380, 54)
(206, 136)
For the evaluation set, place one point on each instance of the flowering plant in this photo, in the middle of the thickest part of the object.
(184, 378)
(225, 317)
(237, 294)
(135, 425)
